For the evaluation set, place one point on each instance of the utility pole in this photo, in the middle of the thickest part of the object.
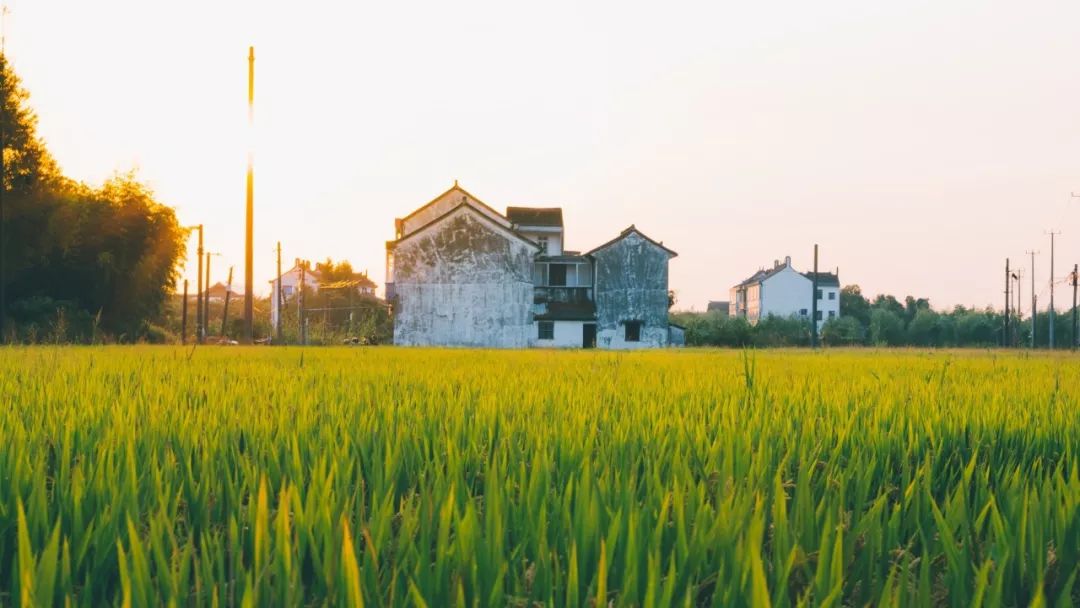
(3, 186)
(206, 299)
(225, 312)
(199, 318)
(277, 296)
(301, 329)
(813, 302)
(1052, 233)
(1034, 314)
(183, 317)
(1076, 319)
(1019, 274)
(1008, 279)
(249, 283)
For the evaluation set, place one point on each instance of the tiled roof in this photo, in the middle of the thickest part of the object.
(825, 279)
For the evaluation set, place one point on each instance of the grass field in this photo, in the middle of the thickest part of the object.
(395, 477)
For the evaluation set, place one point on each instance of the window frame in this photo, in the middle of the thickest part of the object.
(541, 326)
(632, 330)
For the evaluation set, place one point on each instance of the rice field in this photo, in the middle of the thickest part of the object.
(393, 477)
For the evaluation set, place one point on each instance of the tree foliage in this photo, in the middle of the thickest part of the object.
(78, 261)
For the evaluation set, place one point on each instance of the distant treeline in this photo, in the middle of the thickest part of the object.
(79, 263)
(885, 321)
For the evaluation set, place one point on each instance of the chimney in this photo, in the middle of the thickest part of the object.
(776, 263)
(787, 260)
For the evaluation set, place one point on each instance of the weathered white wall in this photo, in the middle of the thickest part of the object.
(441, 206)
(463, 282)
(631, 283)
(568, 334)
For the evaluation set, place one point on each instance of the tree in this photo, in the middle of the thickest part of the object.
(886, 327)
(842, 331)
(78, 259)
(853, 304)
(924, 329)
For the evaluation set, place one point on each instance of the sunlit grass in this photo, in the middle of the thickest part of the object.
(447, 477)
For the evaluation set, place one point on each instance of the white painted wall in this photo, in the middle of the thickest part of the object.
(554, 237)
(784, 294)
(568, 334)
(615, 339)
(290, 282)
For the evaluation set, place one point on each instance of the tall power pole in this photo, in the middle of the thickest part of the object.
(206, 300)
(3, 174)
(249, 283)
(1076, 319)
(277, 297)
(183, 316)
(1005, 331)
(225, 312)
(813, 302)
(1052, 233)
(1033, 301)
(199, 320)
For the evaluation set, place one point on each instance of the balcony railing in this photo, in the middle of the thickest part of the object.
(544, 294)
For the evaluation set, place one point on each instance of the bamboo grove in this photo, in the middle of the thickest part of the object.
(393, 477)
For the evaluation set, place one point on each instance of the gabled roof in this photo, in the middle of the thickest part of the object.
(824, 279)
(535, 216)
(468, 206)
(453, 188)
(761, 275)
(625, 233)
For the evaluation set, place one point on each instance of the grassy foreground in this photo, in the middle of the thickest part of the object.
(394, 477)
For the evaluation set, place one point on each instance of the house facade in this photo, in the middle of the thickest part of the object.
(782, 291)
(313, 280)
(460, 273)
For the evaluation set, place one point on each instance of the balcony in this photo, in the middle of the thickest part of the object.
(547, 294)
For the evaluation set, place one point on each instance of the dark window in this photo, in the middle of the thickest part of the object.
(546, 330)
(832, 314)
(818, 316)
(633, 331)
(802, 312)
(542, 241)
(832, 295)
(819, 294)
(557, 275)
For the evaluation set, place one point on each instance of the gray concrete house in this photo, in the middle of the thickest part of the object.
(460, 273)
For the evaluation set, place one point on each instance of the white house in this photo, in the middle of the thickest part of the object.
(782, 291)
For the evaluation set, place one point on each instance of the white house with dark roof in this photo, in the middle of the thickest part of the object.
(313, 280)
(461, 274)
(782, 291)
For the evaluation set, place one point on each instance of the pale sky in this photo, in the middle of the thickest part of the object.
(918, 142)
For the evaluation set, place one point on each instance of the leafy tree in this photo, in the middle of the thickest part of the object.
(886, 327)
(925, 328)
(78, 259)
(843, 331)
(853, 304)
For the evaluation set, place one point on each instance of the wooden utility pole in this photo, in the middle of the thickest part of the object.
(813, 302)
(183, 317)
(200, 319)
(1076, 319)
(1052, 233)
(249, 283)
(3, 175)
(1008, 278)
(301, 330)
(277, 297)
(225, 312)
(206, 299)
(1034, 313)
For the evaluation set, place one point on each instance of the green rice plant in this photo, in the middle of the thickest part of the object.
(424, 477)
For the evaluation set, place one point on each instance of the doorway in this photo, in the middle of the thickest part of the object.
(588, 335)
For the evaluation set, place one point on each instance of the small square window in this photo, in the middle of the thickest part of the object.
(543, 242)
(802, 312)
(817, 317)
(832, 295)
(545, 330)
(819, 294)
(832, 314)
(633, 331)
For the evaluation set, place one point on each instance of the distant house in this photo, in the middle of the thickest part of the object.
(217, 293)
(782, 291)
(460, 273)
(721, 307)
(313, 281)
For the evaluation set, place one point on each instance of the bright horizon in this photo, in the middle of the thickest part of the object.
(918, 144)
